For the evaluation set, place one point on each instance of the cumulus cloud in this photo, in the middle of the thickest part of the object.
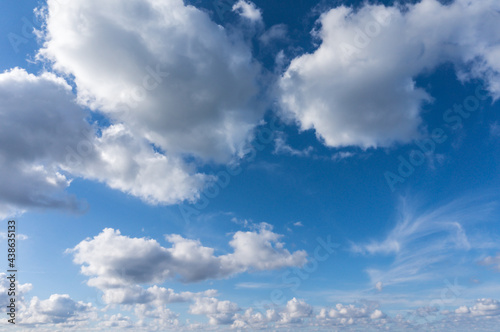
(57, 309)
(21, 290)
(348, 314)
(299, 314)
(248, 10)
(38, 121)
(164, 69)
(49, 141)
(295, 311)
(131, 164)
(118, 264)
(482, 307)
(485, 307)
(358, 87)
(159, 317)
(218, 312)
(117, 321)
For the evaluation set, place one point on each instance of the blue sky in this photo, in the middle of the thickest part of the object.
(235, 165)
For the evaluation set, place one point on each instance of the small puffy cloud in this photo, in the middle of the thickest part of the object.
(163, 69)
(349, 314)
(295, 311)
(57, 309)
(160, 317)
(248, 10)
(482, 307)
(462, 310)
(492, 260)
(379, 286)
(377, 314)
(358, 88)
(276, 32)
(21, 289)
(281, 147)
(300, 314)
(117, 321)
(118, 264)
(261, 250)
(218, 312)
(485, 307)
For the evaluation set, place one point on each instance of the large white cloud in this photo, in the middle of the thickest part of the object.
(48, 141)
(118, 264)
(163, 68)
(358, 87)
(218, 312)
(38, 121)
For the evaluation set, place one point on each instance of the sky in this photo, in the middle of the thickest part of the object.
(214, 165)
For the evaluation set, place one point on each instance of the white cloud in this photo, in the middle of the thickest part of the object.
(57, 309)
(281, 147)
(164, 69)
(358, 87)
(21, 290)
(19, 236)
(495, 261)
(118, 264)
(421, 240)
(50, 141)
(38, 121)
(276, 32)
(131, 165)
(295, 311)
(351, 315)
(248, 10)
(482, 307)
(218, 312)
(342, 155)
(495, 130)
(160, 317)
(299, 315)
(117, 321)
(485, 307)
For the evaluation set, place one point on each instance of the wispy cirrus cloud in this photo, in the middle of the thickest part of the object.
(420, 240)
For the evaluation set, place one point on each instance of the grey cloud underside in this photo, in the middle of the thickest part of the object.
(113, 259)
(47, 138)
